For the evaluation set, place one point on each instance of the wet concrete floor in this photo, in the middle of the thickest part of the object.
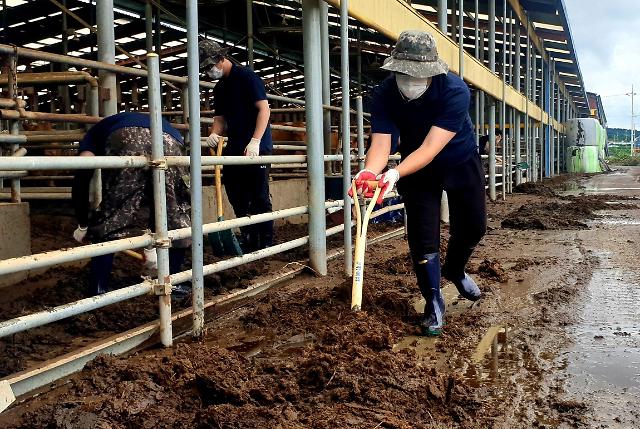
(603, 364)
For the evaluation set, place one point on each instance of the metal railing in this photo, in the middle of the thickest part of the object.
(157, 162)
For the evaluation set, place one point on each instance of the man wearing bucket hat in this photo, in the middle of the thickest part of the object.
(430, 108)
(242, 111)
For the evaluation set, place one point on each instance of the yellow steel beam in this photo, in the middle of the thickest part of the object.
(391, 17)
(533, 36)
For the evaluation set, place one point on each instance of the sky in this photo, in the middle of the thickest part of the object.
(606, 37)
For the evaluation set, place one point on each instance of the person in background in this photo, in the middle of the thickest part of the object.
(483, 142)
(430, 108)
(242, 112)
(126, 191)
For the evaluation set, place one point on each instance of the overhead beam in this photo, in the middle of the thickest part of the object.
(533, 36)
(391, 17)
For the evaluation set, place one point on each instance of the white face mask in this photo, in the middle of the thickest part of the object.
(215, 73)
(412, 87)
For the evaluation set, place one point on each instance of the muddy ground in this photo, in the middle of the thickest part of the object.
(296, 357)
(52, 228)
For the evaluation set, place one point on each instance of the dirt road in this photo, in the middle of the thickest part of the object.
(554, 343)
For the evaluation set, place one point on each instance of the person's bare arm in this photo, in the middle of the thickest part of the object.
(378, 154)
(219, 125)
(436, 140)
(262, 120)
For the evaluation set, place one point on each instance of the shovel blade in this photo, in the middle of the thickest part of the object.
(6, 395)
(224, 243)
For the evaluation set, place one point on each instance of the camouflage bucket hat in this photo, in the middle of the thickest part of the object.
(416, 55)
(211, 53)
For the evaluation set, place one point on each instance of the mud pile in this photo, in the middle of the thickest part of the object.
(551, 215)
(569, 213)
(492, 269)
(345, 373)
(535, 188)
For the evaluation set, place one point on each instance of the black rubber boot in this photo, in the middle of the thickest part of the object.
(176, 259)
(427, 270)
(100, 274)
(453, 270)
(266, 234)
(247, 239)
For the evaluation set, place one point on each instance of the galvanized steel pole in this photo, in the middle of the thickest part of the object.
(163, 289)
(360, 119)
(157, 33)
(346, 132)
(503, 114)
(542, 124)
(527, 119)
(518, 117)
(534, 126)
(552, 130)
(148, 26)
(482, 94)
(195, 169)
(250, 33)
(559, 134)
(442, 15)
(477, 55)
(14, 125)
(107, 54)
(326, 79)
(461, 39)
(492, 102)
(315, 164)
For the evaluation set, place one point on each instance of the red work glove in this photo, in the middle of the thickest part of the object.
(386, 182)
(362, 185)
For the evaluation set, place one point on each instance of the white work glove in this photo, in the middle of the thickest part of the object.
(213, 140)
(80, 233)
(387, 181)
(253, 148)
(151, 258)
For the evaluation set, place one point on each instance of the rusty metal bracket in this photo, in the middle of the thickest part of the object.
(162, 289)
(163, 243)
(160, 164)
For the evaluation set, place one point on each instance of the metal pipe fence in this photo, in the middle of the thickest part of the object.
(14, 110)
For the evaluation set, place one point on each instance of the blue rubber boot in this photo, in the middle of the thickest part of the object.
(453, 270)
(100, 274)
(427, 271)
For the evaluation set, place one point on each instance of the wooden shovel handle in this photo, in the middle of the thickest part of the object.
(134, 254)
(218, 179)
(373, 184)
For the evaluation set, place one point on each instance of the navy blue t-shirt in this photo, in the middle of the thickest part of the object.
(235, 97)
(96, 138)
(445, 104)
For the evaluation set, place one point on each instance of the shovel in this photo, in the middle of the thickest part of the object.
(361, 244)
(222, 242)
(6, 395)
(522, 165)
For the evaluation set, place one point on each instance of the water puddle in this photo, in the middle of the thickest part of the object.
(615, 221)
(421, 345)
(606, 353)
(492, 359)
(254, 345)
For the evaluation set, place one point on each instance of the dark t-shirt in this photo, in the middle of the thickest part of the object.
(445, 104)
(234, 98)
(96, 138)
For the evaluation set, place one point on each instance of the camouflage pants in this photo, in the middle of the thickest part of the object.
(127, 194)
